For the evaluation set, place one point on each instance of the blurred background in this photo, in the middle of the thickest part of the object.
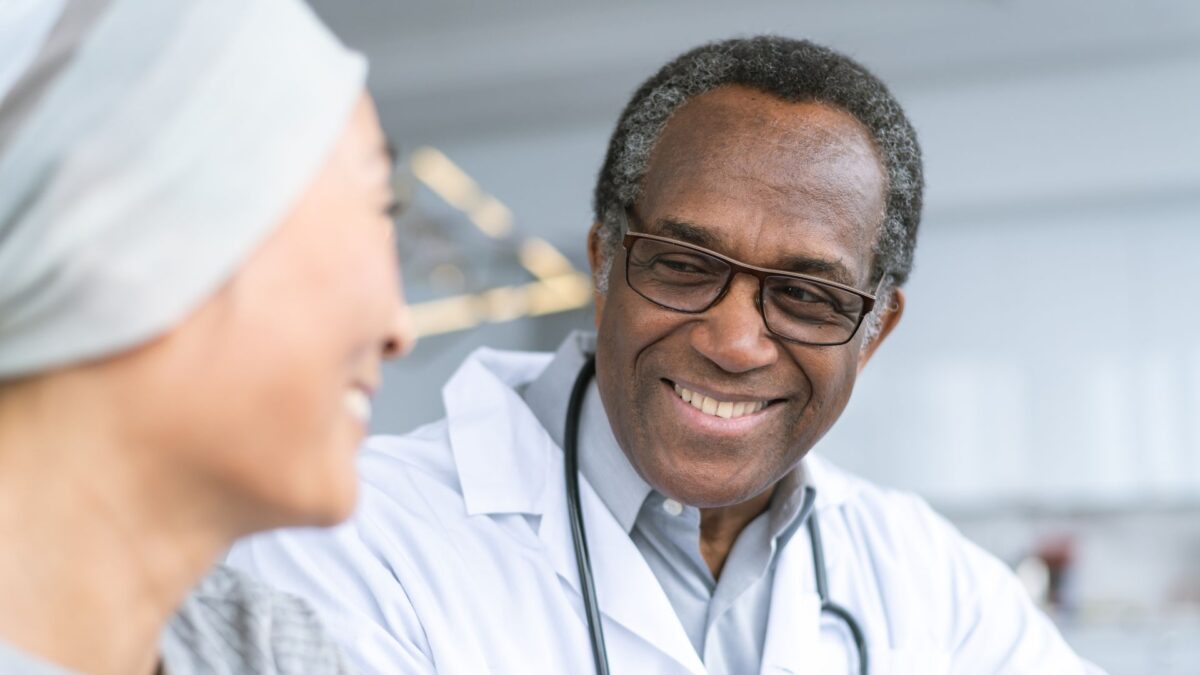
(1043, 390)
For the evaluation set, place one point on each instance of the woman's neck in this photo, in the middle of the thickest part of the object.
(99, 545)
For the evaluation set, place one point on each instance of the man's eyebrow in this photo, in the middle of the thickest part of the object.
(833, 270)
(685, 231)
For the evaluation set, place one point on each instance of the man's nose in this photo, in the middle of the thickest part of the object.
(732, 334)
(402, 331)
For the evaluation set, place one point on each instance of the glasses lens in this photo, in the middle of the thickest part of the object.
(675, 276)
(810, 312)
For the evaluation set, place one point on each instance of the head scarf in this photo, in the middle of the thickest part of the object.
(146, 148)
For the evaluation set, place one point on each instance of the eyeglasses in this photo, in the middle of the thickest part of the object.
(796, 307)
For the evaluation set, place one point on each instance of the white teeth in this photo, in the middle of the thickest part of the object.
(358, 404)
(724, 409)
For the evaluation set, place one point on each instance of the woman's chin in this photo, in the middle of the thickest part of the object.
(333, 491)
(334, 505)
(322, 500)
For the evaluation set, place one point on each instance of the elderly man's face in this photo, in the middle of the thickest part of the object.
(794, 186)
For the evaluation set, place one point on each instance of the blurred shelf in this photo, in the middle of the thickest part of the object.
(1071, 507)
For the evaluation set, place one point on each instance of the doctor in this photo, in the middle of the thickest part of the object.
(755, 218)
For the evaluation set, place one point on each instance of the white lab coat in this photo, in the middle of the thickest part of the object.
(459, 560)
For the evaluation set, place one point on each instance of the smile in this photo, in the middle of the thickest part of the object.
(717, 408)
(358, 403)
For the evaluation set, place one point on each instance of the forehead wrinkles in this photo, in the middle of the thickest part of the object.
(803, 156)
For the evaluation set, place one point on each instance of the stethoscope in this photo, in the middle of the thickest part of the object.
(584, 561)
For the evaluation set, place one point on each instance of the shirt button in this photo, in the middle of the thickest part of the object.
(672, 507)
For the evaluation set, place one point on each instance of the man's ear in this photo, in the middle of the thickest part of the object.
(595, 259)
(887, 322)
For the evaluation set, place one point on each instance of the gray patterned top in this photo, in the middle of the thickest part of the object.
(229, 625)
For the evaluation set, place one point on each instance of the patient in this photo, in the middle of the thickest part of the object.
(197, 288)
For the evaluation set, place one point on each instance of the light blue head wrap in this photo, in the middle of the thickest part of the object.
(146, 148)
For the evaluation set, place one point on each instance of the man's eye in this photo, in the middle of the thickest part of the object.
(805, 294)
(682, 266)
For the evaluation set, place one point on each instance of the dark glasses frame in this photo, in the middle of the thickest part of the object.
(760, 273)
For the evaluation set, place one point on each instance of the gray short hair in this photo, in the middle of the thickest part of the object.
(792, 70)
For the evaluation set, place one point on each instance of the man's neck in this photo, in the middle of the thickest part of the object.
(720, 527)
(97, 555)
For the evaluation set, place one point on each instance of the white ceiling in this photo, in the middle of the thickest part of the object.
(456, 69)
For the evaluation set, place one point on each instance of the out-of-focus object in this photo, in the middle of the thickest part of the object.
(1058, 553)
(557, 285)
(1046, 573)
(1035, 577)
(452, 184)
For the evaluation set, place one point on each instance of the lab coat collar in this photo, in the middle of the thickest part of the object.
(794, 628)
(601, 459)
(499, 448)
(626, 589)
(833, 486)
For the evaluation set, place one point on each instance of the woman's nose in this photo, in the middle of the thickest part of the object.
(402, 334)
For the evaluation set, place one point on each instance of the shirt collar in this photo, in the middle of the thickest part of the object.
(601, 460)
(791, 505)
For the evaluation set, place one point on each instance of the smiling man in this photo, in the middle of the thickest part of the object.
(756, 216)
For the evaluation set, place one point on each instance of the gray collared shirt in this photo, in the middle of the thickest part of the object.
(725, 618)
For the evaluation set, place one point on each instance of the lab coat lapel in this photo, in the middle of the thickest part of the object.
(508, 463)
(799, 639)
(499, 448)
(793, 627)
(626, 588)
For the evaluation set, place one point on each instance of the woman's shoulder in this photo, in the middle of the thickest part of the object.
(233, 623)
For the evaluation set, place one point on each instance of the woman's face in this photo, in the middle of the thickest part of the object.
(259, 399)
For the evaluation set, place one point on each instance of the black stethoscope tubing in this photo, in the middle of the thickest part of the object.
(584, 561)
